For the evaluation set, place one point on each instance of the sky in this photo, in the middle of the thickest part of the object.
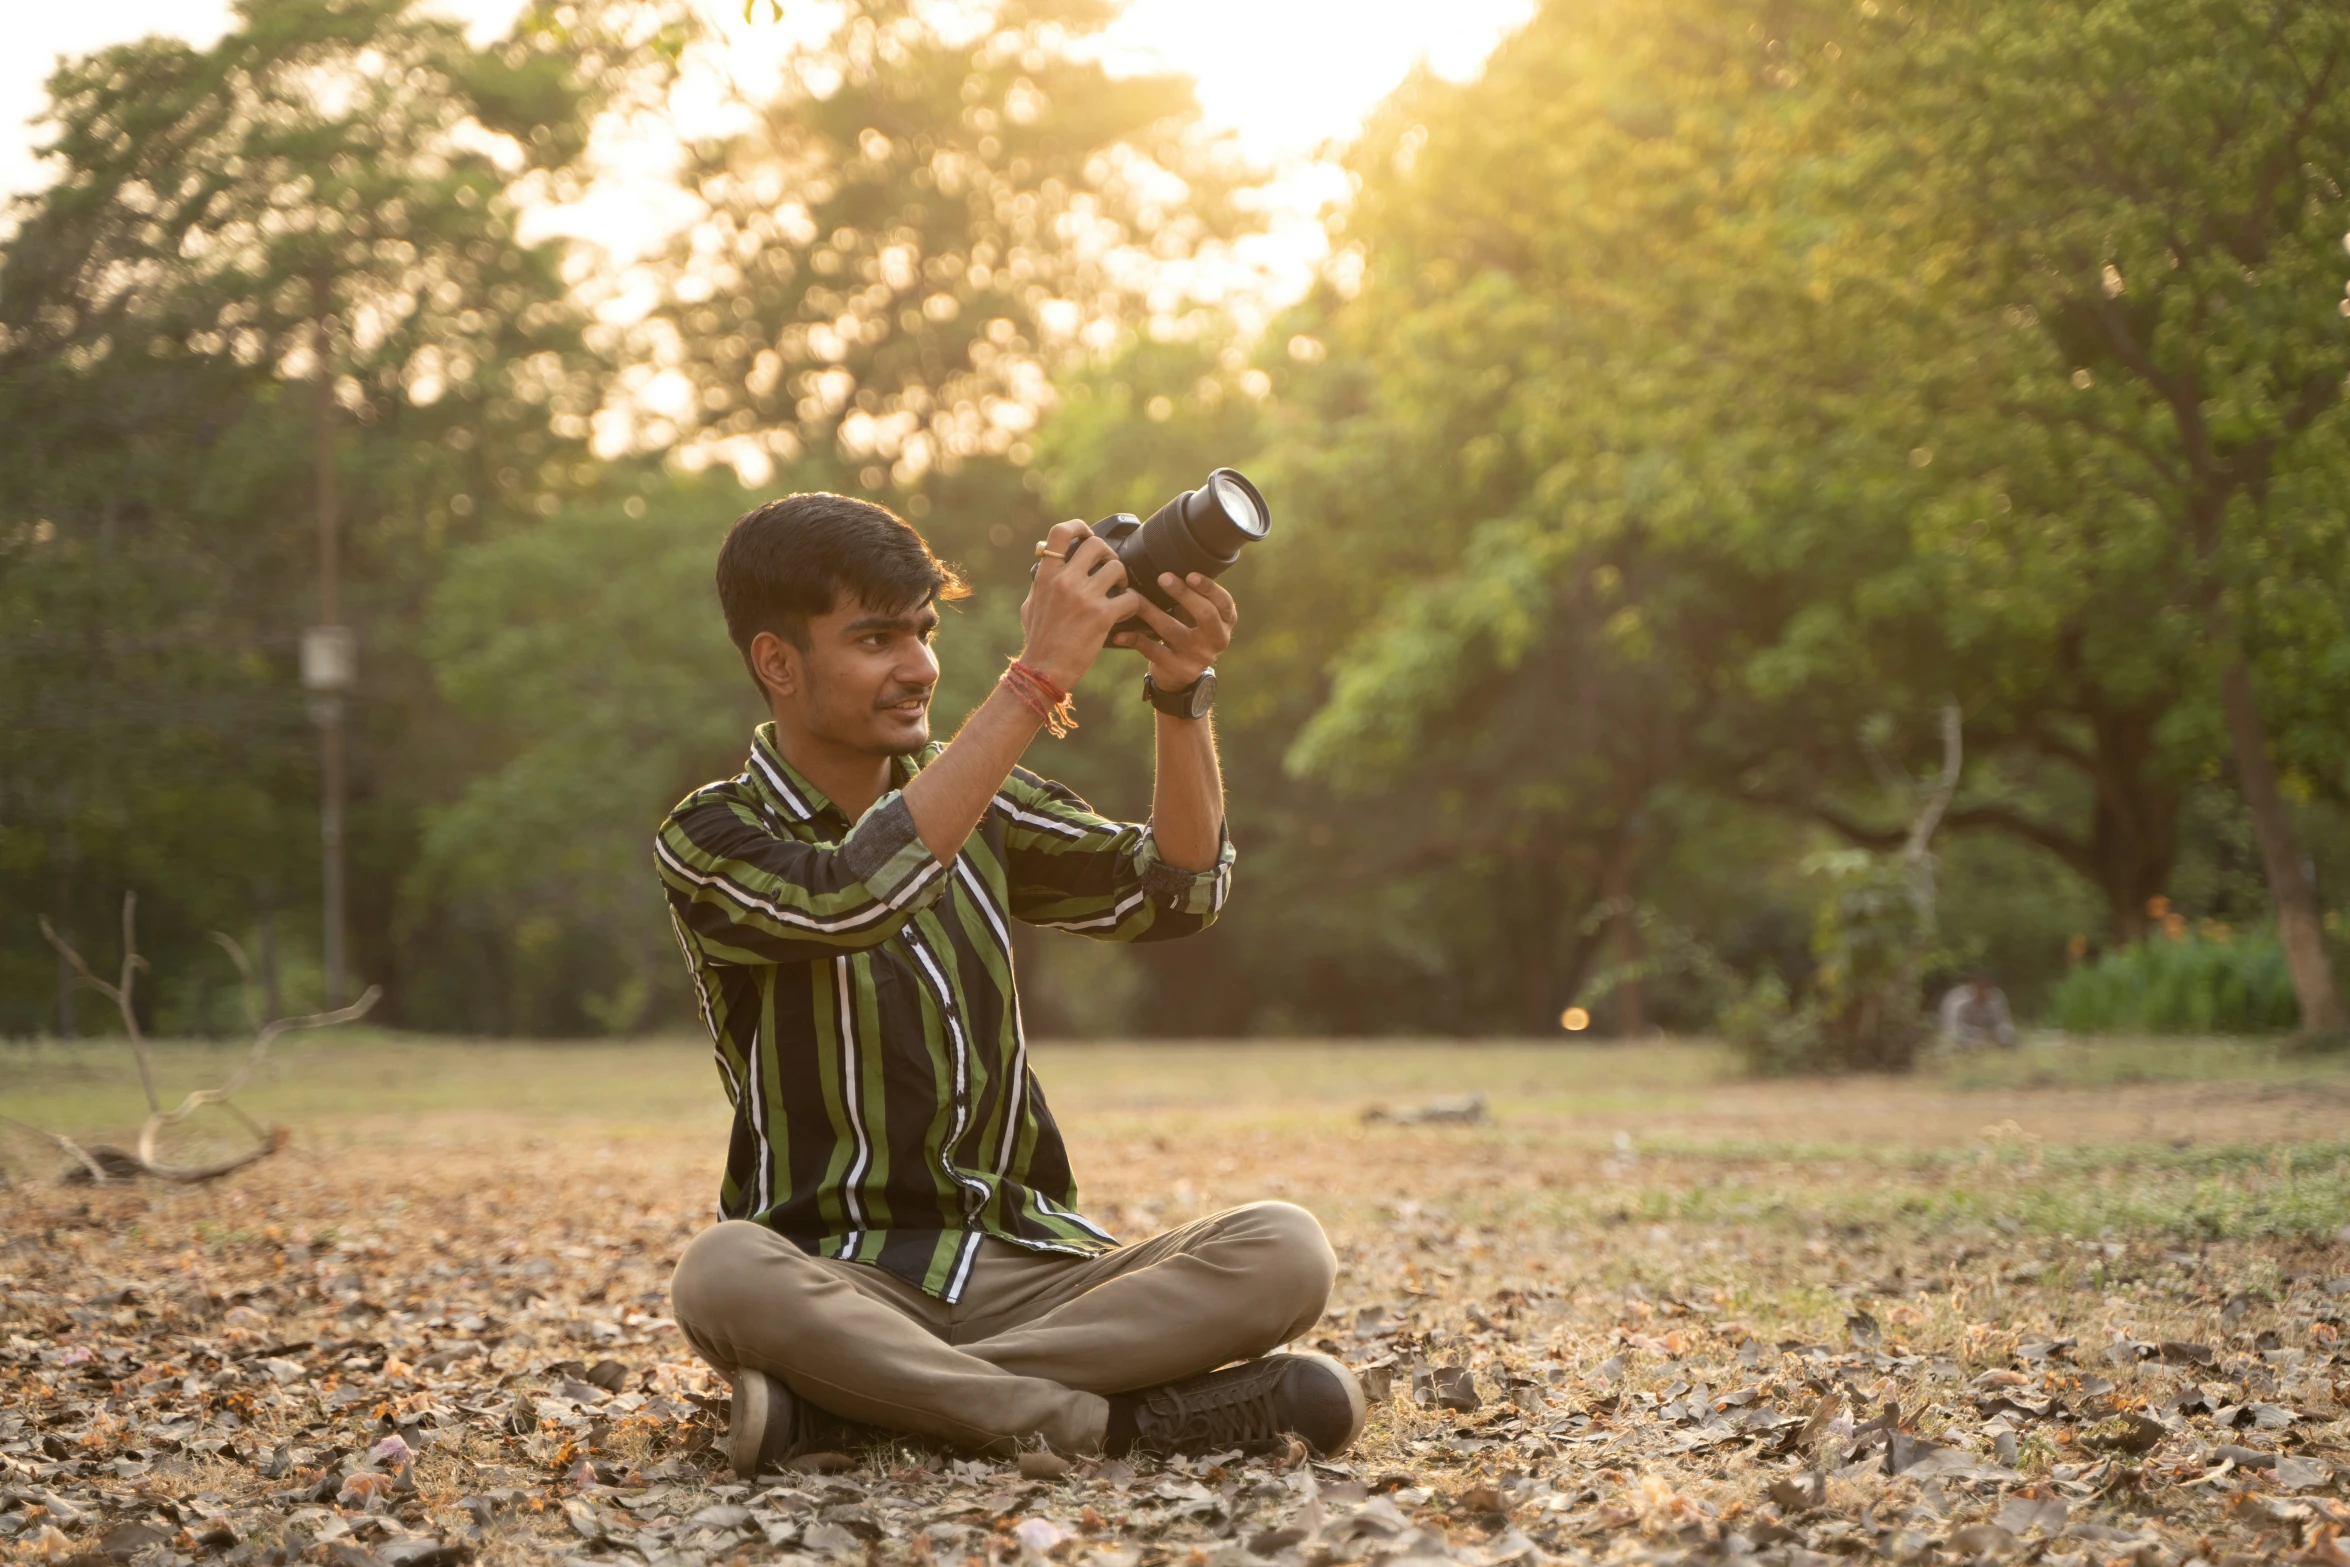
(1289, 77)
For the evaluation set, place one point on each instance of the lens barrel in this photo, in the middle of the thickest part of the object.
(1200, 530)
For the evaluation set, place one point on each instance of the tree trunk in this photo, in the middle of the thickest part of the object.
(2134, 832)
(2299, 927)
(273, 1002)
(67, 985)
(1624, 935)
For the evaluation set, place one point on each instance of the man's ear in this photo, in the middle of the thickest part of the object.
(777, 664)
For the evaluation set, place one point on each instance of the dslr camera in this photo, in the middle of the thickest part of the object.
(1202, 530)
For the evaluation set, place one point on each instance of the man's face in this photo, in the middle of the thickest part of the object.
(866, 678)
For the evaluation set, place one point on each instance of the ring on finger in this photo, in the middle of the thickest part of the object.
(1045, 551)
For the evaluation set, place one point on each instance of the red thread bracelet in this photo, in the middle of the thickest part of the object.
(1046, 700)
(1028, 699)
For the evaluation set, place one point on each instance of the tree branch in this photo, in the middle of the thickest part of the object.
(2006, 819)
(1937, 800)
(119, 994)
(102, 1163)
(97, 1171)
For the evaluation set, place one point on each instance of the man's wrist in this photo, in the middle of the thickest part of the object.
(1187, 702)
(1055, 670)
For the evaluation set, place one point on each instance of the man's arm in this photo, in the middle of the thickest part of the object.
(1187, 788)
(1070, 609)
(1187, 795)
(742, 894)
(1071, 869)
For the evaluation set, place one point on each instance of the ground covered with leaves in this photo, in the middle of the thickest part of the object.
(1615, 1309)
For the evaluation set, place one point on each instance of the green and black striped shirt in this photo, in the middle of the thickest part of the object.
(861, 998)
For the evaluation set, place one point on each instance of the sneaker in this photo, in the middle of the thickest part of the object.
(1250, 1406)
(759, 1433)
(770, 1427)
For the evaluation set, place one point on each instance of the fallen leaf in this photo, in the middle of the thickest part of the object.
(2130, 1434)
(1445, 1387)
(829, 1539)
(2299, 1472)
(365, 1490)
(1039, 1534)
(1981, 1539)
(126, 1540)
(2022, 1514)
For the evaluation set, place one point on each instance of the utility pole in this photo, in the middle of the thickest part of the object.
(329, 652)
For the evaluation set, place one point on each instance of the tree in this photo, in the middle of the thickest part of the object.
(1710, 287)
(923, 222)
(1536, 409)
(157, 308)
(929, 215)
(2146, 198)
(537, 868)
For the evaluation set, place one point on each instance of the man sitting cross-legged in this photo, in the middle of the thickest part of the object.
(901, 1245)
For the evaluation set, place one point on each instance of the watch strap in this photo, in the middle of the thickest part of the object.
(1181, 702)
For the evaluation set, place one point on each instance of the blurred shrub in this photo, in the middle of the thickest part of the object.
(2208, 981)
(1860, 1010)
(1774, 1034)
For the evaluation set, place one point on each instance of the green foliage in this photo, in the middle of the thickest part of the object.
(157, 542)
(932, 212)
(2193, 983)
(1696, 402)
(542, 672)
(590, 660)
(1773, 1034)
(1856, 1008)
(1875, 928)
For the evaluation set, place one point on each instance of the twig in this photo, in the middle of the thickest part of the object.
(266, 1140)
(120, 994)
(97, 1171)
(236, 954)
(269, 1140)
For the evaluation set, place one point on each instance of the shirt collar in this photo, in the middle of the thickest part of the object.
(790, 791)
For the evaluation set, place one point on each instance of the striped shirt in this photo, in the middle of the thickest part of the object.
(861, 998)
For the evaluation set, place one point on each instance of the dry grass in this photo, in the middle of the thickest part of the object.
(1623, 1222)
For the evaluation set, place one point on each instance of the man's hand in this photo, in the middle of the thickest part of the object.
(1183, 649)
(1073, 603)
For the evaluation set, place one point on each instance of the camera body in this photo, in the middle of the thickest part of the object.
(1202, 530)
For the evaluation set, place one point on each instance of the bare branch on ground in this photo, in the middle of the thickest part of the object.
(101, 1164)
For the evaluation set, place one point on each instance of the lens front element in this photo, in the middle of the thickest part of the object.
(1237, 503)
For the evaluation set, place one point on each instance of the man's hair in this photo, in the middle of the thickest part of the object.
(791, 560)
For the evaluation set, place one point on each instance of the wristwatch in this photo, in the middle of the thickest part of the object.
(1193, 701)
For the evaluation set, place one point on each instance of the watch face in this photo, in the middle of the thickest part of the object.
(1203, 694)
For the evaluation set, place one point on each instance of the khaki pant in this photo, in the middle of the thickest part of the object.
(1036, 1340)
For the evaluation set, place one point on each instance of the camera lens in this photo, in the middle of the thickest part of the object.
(1222, 515)
(1200, 531)
(1238, 504)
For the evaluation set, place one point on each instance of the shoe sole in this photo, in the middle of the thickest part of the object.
(746, 1430)
(1358, 1409)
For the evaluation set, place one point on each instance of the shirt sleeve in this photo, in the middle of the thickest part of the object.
(743, 893)
(1068, 868)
